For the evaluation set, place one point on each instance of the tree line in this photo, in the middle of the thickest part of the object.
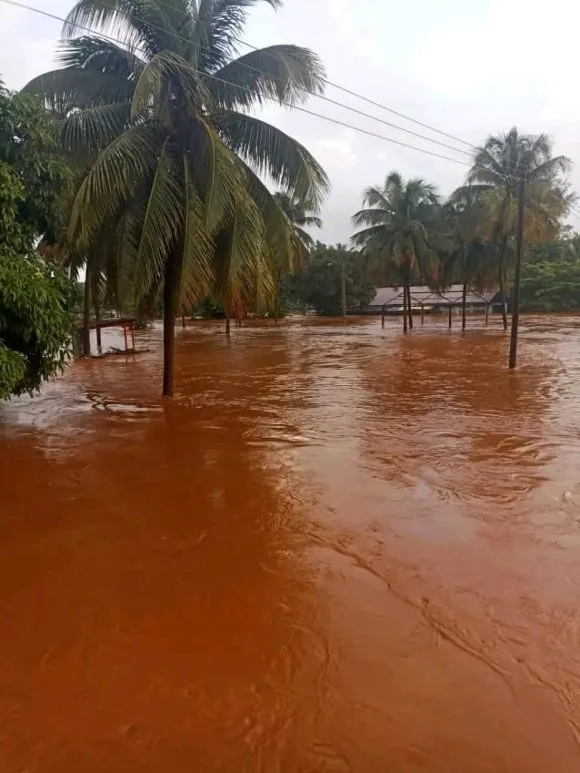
(138, 161)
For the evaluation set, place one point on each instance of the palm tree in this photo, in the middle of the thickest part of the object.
(497, 168)
(399, 224)
(300, 215)
(466, 255)
(163, 108)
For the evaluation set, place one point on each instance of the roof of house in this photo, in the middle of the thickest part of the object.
(423, 295)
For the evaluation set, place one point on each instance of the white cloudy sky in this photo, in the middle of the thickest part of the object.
(450, 63)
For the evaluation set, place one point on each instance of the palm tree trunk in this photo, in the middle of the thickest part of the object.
(227, 323)
(501, 283)
(407, 280)
(464, 306)
(87, 316)
(95, 294)
(405, 307)
(170, 288)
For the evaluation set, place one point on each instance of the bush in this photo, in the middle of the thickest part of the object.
(35, 323)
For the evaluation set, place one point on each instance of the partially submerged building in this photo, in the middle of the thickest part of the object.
(424, 300)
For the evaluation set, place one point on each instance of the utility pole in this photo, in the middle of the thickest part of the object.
(343, 289)
(517, 277)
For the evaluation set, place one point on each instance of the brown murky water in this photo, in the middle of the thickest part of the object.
(336, 550)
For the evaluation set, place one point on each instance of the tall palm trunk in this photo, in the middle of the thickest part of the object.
(464, 306)
(277, 281)
(501, 278)
(95, 294)
(404, 307)
(87, 316)
(407, 280)
(170, 291)
(227, 323)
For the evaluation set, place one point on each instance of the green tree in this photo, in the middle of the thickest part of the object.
(497, 168)
(398, 226)
(465, 255)
(551, 277)
(319, 284)
(300, 215)
(35, 298)
(165, 111)
(35, 322)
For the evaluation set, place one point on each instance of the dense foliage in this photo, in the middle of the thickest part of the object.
(35, 322)
(319, 285)
(35, 299)
(551, 277)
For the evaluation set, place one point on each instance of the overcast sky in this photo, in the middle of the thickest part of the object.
(450, 63)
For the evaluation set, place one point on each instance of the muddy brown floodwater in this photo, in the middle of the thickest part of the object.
(338, 549)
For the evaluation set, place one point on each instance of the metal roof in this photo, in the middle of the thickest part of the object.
(425, 296)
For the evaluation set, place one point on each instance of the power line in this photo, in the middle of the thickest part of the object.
(272, 99)
(368, 100)
(314, 94)
(229, 83)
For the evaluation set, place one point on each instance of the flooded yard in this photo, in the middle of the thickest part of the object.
(338, 549)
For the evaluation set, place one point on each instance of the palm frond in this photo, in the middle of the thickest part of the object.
(286, 73)
(135, 23)
(271, 151)
(162, 221)
(62, 91)
(113, 178)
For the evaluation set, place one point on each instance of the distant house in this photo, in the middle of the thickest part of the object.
(389, 300)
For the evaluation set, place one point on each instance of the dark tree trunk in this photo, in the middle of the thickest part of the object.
(405, 308)
(464, 306)
(170, 288)
(95, 294)
(501, 283)
(409, 309)
(87, 317)
(227, 323)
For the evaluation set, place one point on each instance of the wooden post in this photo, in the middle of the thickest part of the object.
(450, 310)
(422, 313)
(125, 336)
(383, 315)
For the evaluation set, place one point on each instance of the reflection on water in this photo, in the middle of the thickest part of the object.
(338, 549)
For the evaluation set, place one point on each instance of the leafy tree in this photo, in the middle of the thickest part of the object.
(165, 111)
(35, 298)
(32, 173)
(551, 277)
(35, 322)
(398, 227)
(319, 284)
(497, 168)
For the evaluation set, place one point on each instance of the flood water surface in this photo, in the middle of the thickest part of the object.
(337, 549)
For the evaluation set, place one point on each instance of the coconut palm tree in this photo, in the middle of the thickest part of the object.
(466, 256)
(300, 215)
(160, 98)
(497, 168)
(399, 223)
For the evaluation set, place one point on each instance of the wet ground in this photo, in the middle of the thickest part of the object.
(335, 550)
